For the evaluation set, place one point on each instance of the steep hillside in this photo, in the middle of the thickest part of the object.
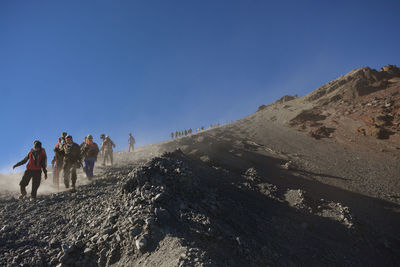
(295, 183)
(355, 109)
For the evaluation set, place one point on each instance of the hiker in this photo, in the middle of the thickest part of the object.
(37, 162)
(102, 137)
(58, 157)
(131, 142)
(72, 160)
(83, 143)
(107, 148)
(89, 152)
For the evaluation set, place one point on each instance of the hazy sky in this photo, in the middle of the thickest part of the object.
(150, 67)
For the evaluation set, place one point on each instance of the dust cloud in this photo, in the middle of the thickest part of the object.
(9, 184)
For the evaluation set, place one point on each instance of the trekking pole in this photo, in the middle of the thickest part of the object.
(58, 182)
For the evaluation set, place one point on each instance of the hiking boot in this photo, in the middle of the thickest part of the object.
(22, 196)
(73, 190)
(32, 198)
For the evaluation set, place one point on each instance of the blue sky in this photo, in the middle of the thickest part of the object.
(150, 67)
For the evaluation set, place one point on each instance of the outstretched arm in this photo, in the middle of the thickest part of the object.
(22, 162)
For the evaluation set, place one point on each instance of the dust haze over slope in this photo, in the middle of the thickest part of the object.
(260, 191)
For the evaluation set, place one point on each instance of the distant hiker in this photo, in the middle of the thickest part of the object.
(172, 135)
(58, 157)
(89, 152)
(37, 162)
(107, 148)
(72, 160)
(131, 142)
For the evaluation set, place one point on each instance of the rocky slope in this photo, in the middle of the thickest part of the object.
(365, 101)
(176, 211)
(261, 191)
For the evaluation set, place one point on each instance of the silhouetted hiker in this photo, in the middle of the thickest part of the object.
(89, 151)
(37, 162)
(131, 142)
(58, 158)
(107, 147)
(72, 160)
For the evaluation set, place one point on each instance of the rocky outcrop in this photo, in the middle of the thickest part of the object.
(283, 99)
(357, 83)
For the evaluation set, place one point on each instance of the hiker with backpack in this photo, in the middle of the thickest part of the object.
(107, 148)
(89, 152)
(72, 160)
(58, 158)
(37, 162)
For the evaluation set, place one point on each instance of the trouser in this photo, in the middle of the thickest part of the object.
(89, 166)
(56, 172)
(108, 154)
(130, 146)
(69, 173)
(36, 175)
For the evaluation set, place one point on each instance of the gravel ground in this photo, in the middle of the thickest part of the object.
(255, 192)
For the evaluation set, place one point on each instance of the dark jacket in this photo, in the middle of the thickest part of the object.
(72, 153)
(90, 151)
(59, 152)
